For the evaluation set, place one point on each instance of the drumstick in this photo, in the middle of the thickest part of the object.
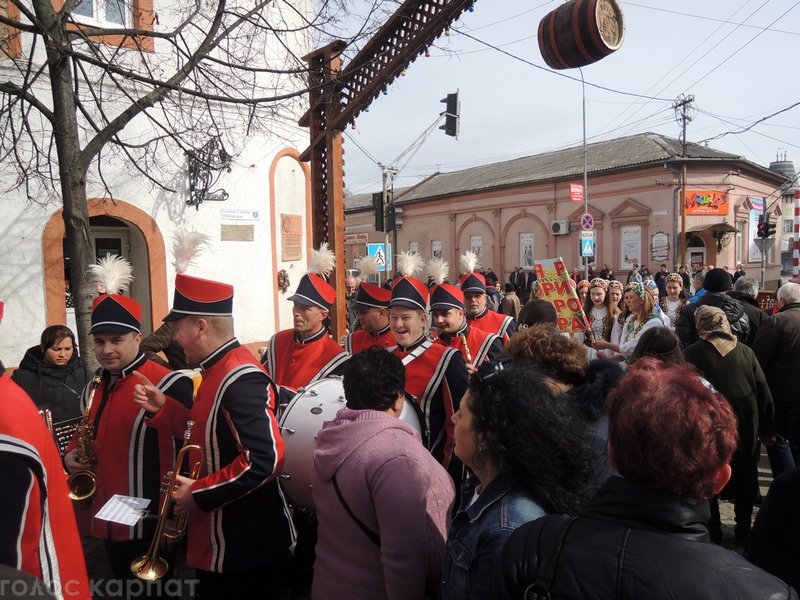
(466, 348)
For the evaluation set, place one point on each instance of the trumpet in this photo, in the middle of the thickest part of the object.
(152, 566)
(83, 484)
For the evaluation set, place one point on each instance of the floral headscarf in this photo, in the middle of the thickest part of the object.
(598, 282)
(674, 277)
(637, 288)
(616, 285)
(713, 326)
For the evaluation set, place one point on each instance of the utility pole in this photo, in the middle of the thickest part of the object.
(683, 108)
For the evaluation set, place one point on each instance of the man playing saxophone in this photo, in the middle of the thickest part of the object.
(239, 527)
(129, 458)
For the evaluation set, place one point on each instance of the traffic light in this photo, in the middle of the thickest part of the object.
(377, 207)
(761, 228)
(452, 115)
(394, 217)
(770, 229)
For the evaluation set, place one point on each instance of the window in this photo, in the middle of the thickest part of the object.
(788, 226)
(103, 11)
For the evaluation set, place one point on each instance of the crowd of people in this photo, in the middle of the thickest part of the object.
(535, 463)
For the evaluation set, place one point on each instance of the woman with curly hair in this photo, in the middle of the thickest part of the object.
(528, 457)
(640, 316)
(560, 358)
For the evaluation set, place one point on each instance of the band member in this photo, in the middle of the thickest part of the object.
(38, 534)
(239, 527)
(131, 458)
(436, 376)
(371, 310)
(447, 310)
(473, 286)
(298, 356)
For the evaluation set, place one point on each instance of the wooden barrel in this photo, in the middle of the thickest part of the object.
(580, 32)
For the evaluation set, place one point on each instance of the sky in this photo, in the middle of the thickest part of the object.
(739, 59)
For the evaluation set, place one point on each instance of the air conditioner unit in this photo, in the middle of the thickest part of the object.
(559, 227)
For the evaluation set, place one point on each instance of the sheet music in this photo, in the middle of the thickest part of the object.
(125, 510)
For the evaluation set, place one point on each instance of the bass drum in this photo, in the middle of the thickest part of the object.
(301, 421)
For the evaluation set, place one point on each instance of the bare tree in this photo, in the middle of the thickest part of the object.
(81, 96)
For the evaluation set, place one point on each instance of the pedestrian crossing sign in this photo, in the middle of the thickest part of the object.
(587, 248)
(382, 254)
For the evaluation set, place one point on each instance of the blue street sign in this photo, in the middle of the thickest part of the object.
(587, 248)
(382, 256)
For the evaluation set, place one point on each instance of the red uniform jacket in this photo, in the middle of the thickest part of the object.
(38, 534)
(131, 458)
(493, 322)
(294, 364)
(242, 521)
(482, 346)
(437, 378)
(362, 339)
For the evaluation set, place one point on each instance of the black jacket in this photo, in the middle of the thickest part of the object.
(632, 542)
(752, 310)
(589, 402)
(740, 323)
(52, 387)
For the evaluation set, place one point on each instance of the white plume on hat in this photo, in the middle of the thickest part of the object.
(368, 265)
(113, 272)
(323, 261)
(409, 263)
(470, 261)
(186, 246)
(438, 270)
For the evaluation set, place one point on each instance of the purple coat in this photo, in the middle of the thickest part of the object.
(397, 489)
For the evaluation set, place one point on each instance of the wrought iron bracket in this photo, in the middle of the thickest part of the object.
(205, 167)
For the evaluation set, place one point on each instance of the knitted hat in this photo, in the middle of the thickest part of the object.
(718, 280)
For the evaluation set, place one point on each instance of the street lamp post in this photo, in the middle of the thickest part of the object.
(585, 173)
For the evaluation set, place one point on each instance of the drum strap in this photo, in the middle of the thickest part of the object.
(416, 353)
(374, 537)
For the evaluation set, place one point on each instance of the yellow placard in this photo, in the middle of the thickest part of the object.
(553, 286)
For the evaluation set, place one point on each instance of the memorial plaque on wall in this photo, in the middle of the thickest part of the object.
(291, 237)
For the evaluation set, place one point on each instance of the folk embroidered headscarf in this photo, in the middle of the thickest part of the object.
(637, 288)
(598, 282)
(713, 326)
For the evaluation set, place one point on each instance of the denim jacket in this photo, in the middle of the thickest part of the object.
(478, 533)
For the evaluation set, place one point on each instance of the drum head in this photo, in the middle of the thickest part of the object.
(302, 420)
(300, 423)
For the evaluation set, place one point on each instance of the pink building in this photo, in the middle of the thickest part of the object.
(515, 211)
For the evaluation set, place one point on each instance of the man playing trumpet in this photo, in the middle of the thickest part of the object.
(239, 527)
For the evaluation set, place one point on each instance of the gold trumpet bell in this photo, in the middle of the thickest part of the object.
(149, 570)
(82, 486)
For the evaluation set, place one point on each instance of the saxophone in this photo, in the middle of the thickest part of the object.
(83, 484)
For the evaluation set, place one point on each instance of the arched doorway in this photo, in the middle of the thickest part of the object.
(696, 248)
(116, 226)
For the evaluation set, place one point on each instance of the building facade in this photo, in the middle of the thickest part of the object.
(639, 199)
(259, 235)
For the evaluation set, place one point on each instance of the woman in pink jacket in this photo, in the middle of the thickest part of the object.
(382, 500)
